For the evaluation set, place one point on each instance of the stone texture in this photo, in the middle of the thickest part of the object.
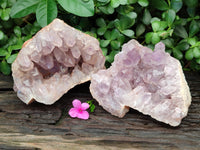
(151, 82)
(56, 59)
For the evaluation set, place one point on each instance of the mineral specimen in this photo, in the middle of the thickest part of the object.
(151, 82)
(55, 60)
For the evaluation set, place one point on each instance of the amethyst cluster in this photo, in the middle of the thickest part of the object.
(151, 82)
(59, 57)
(55, 60)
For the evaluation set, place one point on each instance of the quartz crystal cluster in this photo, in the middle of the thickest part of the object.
(56, 59)
(151, 82)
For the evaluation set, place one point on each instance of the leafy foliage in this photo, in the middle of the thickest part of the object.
(113, 22)
(152, 21)
(46, 10)
(13, 33)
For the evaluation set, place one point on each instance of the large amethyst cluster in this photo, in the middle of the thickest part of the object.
(56, 59)
(151, 82)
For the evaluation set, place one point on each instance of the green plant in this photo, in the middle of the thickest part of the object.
(13, 33)
(92, 106)
(113, 22)
(46, 10)
(152, 21)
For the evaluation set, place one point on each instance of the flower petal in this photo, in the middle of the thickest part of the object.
(83, 115)
(73, 112)
(76, 103)
(85, 106)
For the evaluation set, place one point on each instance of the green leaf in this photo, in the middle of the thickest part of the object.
(1, 35)
(168, 51)
(101, 31)
(146, 19)
(191, 11)
(128, 32)
(124, 23)
(104, 43)
(151, 46)
(92, 107)
(110, 10)
(78, 7)
(159, 25)
(25, 38)
(123, 2)
(160, 4)
(177, 54)
(3, 52)
(131, 15)
(115, 3)
(148, 37)
(23, 7)
(107, 35)
(17, 31)
(183, 46)
(143, 3)
(176, 5)
(140, 29)
(121, 38)
(115, 44)
(194, 28)
(19, 42)
(198, 61)
(181, 32)
(101, 22)
(163, 34)
(155, 38)
(155, 26)
(110, 25)
(114, 34)
(14, 47)
(154, 19)
(110, 57)
(5, 14)
(132, 1)
(118, 24)
(170, 16)
(11, 58)
(196, 52)
(189, 54)
(104, 50)
(168, 43)
(191, 3)
(11, 3)
(5, 68)
(3, 4)
(192, 41)
(46, 12)
(103, 1)
(123, 10)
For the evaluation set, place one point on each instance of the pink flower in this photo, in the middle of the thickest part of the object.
(79, 110)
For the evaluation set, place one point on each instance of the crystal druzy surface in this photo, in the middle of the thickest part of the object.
(151, 82)
(56, 59)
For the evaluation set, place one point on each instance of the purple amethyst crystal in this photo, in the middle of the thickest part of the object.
(151, 82)
(56, 59)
